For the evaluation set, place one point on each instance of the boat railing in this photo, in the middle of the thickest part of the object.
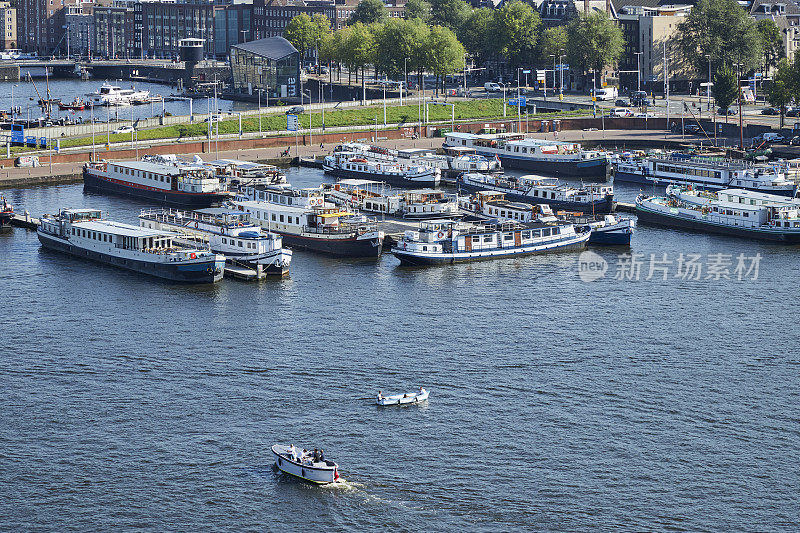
(342, 228)
(725, 163)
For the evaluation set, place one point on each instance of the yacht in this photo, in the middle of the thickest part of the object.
(708, 172)
(377, 197)
(291, 461)
(444, 242)
(306, 220)
(6, 212)
(549, 157)
(237, 173)
(225, 231)
(449, 166)
(163, 179)
(112, 95)
(83, 233)
(543, 190)
(737, 212)
(352, 165)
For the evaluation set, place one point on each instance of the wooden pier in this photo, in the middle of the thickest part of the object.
(24, 221)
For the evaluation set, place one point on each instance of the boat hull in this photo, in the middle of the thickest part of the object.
(189, 272)
(630, 177)
(599, 206)
(274, 263)
(392, 179)
(610, 238)
(5, 219)
(346, 247)
(93, 182)
(400, 400)
(424, 259)
(656, 218)
(585, 168)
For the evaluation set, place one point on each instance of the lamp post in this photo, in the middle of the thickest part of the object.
(560, 75)
(12, 102)
(519, 107)
(554, 78)
(638, 71)
(405, 78)
(322, 103)
(708, 87)
(504, 99)
(384, 104)
(259, 109)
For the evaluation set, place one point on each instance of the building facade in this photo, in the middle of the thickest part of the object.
(8, 23)
(40, 26)
(271, 65)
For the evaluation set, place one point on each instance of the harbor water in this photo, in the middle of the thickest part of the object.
(558, 400)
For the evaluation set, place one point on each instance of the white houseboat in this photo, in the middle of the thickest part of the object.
(712, 173)
(351, 165)
(306, 220)
(83, 233)
(537, 155)
(449, 165)
(237, 173)
(607, 229)
(162, 179)
(225, 231)
(541, 190)
(737, 212)
(453, 242)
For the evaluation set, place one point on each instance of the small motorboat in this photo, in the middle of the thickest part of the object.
(402, 399)
(320, 472)
(76, 105)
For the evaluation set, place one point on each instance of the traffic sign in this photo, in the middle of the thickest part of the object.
(541, 74)
(526, 71)
(521, 101)
(292, 122)
(562, 66)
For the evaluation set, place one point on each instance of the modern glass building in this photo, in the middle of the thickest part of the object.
(270, 64)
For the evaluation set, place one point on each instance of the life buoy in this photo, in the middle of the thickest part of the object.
(192, 255)
(441, 234)
(196, 225)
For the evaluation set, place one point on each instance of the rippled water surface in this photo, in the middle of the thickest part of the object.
(556, 404)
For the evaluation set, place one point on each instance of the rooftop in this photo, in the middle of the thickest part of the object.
(272, 47)
(122, 229)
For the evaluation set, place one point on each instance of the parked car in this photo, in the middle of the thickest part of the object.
(492, 87)
(644, 115)
(213, 118)
(124, 129)
(621, 102)
(792, 111)
(770, 111)
(295, 110)
(774, 138)
(691, 129)
(795, 141)
(620, 112)
(639, 99)
(729, 111)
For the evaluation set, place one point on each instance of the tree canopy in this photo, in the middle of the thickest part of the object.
(451, 14)
(593, 42)
(400, 44)
(418, 9)
(721, 29)
(445, 54)
(783, 86)
(725, 87)
(369, 12)
(516, 29)
(305, 32)
(771, 42)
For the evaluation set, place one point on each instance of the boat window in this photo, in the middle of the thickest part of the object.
(281, 218)
(476, 238)
(73, 231)
(556, 230)
(424, 248)
(545, 232)
(273, 217)
(240, 244)
(526, 234)
(224, 240)
(487, 238)
(508, 237)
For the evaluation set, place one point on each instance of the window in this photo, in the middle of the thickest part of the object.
(487, 238)
(281, 218)
(273, 217)
(476, 238)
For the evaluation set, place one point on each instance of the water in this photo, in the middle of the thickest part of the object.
(131, 403)
(26, 98)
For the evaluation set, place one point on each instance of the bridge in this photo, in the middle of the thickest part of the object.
(160, 70)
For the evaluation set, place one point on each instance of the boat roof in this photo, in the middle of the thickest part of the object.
(161, 168)
(495, 136)
(267, 205)
(246, 165)
(757, 195)
(120, 228)
(81, 210)
(417, 151)
(357, 182)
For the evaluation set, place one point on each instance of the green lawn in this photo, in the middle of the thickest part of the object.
(473, 109)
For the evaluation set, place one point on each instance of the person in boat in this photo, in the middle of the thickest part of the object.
(380, 395)
(421, 391)
(315, 458)
(293, 453)
(321, 455)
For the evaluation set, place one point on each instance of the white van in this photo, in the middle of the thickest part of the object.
(492, 87)
(608, 93)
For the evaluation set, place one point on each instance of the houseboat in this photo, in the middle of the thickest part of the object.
(542, 190)
(83, 233)
(6, 213)
(377, 197)
(429, 204)
(112, 95)
(607, 229)
(449, 166)
(445, 242)
(712, 173)
(225, 231)
(306, 220)
(737, 212)
(237, 173)
(160, 179)
(351, 165)
(537, 155)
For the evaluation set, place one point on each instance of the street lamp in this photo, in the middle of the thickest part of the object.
(554, 78)
(560, 74)
(638, 71)
(519, 107)
(708, 87)
(405, 78)
(504, 98)
(12, 102)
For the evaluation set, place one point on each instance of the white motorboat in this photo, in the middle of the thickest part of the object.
(321, 472)
(403, 399)
(112, 95)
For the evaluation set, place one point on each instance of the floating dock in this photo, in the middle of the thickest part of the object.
(24, 221)
(311, 162)
(243, 273)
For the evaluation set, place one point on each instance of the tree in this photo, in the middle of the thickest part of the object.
(593, 42)
(445, 54)
(477, 35)
(781, 89)
(368, 12)
(418, 9)
(303, 32)
(451, 14)
(724, 89)
(400, 44)
(552, 42)
(360, 49)
(721, 29)
(516, 28)
(771, 42)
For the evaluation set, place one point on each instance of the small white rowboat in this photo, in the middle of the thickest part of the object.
(403, 399)
(322, 472)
